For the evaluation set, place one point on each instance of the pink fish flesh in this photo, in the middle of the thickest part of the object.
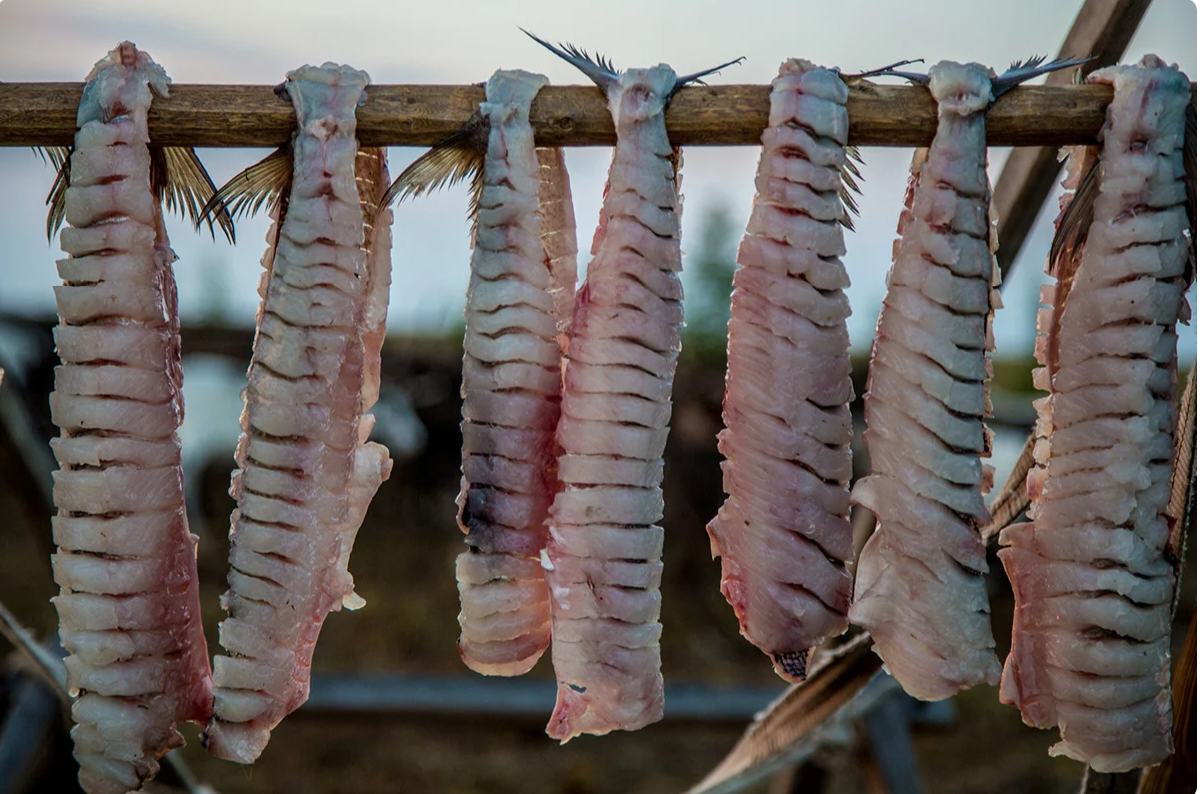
(129, 609)
(1091, 632)
(919, 587)
(306, 470)
(604, 554)
(787, 390)
(518, 307)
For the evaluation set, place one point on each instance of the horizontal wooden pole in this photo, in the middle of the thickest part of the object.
(43, 114)
(509, 699)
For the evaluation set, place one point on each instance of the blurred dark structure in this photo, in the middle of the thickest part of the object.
(403, 567)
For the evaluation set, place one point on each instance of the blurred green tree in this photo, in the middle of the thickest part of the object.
(709, 274)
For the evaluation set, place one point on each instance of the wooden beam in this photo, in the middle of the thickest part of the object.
(889, 736)
(472, 697)
(43, 114)
(1102, 29)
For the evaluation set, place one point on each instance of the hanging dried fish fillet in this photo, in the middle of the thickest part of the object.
(512, 385)
(920, 589)
(129, 607)
(603, 558)
(1091, 633)
(519, 304)
(512, 382)
(784, 534)
(306, 470)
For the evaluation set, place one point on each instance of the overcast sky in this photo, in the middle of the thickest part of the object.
(458, 42)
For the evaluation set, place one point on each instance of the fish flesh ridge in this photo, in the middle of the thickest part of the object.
(129, 608)
(919, 586)
(784, 533)
(519, 301)
(556, 211)
(306, 470)
(603, 559)
(1091, 632)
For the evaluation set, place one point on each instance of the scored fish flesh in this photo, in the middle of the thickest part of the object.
(919, 587)
(306, 470)
(784, 533)
(1093, 587)
(603, 559)
(920, 590)
(129, 608)
(518, 303)
(616, 404)
(556, 213)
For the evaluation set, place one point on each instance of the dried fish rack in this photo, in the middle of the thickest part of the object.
(43, 114)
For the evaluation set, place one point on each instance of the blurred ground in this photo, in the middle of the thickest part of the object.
(403, 567)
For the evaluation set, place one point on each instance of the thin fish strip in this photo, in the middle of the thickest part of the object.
(519, 302)
(306, 470)
(624, 340)
(1093, 587)
(920, 590)
(787, 404)
(129, 609)
(604, 611)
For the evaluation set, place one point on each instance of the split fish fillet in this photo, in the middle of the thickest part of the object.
(129, 608)
(1093, 588)
(306, 471)
(784, 533)
(919, 586)
(519, 304)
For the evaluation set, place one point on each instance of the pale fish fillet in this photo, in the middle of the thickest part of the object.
(616, 404)
(1093, 589)
(557, 213)
(788, 591)
(920, 590)
(518, 307)
(129, 609)
(306, 470)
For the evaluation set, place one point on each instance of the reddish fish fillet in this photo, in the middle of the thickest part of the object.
(603, 558)
(787, 391)
(129, 610)
(306, 470)
(1093, 590)
(919, 588)
(518, 304)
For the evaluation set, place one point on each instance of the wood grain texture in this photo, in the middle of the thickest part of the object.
(842, 686)
(43, 114)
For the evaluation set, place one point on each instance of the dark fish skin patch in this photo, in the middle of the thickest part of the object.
(793, 665)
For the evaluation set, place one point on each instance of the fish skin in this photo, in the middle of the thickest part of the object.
(306, 471)
(518, 308)
(788, 389)
(129, 608)
(919, 586)
(1093, 554)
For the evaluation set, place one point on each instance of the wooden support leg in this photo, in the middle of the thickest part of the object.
(891, 748)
